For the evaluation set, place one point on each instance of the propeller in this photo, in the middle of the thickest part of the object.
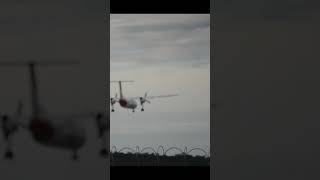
(113, 101)
(143, 100)
(9, 125)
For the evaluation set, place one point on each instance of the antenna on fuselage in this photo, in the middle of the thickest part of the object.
(33, 76)
(120, 86)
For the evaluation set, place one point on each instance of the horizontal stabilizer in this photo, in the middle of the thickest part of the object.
(126, 81)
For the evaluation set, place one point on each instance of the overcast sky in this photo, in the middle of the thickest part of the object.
(54, 30)
(163, 54)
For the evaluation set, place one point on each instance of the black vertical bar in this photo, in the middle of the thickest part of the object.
(34, 89)
(108, 86)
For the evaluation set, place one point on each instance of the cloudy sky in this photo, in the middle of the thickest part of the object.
(163, 54)
(54, 30)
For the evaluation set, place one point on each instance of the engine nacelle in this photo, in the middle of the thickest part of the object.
(113, 101)
(9, 125)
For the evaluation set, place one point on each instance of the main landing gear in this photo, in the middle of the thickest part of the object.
(104, 152)
(8, 155)
(75, 155)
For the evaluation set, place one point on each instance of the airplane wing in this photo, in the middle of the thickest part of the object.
(154, 97)
(162, 96)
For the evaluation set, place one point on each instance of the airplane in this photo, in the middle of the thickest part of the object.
(67, 134)
(130, 102)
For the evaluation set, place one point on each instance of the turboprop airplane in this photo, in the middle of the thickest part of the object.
(130, 102)
(66, 134)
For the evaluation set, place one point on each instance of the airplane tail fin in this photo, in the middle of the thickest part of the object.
(120, 86)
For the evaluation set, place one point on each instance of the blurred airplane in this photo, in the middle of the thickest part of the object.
(130, 102)
(66, 134)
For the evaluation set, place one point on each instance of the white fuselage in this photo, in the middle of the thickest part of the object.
(128, 103)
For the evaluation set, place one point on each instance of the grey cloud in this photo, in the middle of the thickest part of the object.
(166, 27)
(160, 39)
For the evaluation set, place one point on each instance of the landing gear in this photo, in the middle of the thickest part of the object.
(142, 109)
(8, 155)
(112, 108)
(75, 156)
(104, 152)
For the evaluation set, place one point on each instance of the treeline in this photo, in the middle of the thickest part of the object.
(130, 159)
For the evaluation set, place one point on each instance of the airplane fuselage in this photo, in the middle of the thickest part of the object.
(128, 103)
